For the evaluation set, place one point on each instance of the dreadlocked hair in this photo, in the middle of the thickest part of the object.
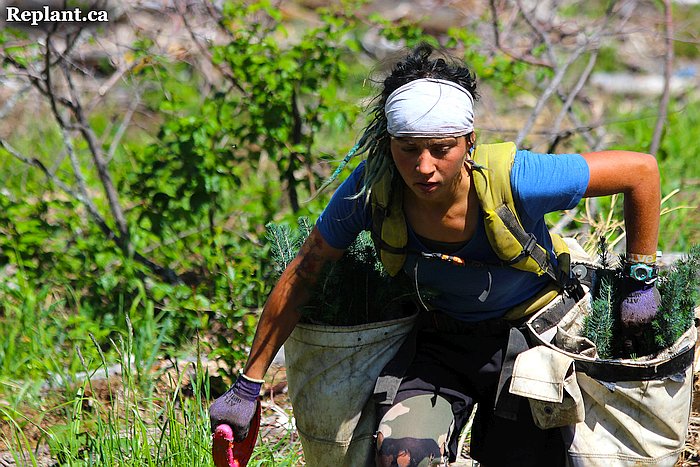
(375, 141)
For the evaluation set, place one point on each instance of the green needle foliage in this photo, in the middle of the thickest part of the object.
(600, 323)
(354, 290)
(285, 243)
(679, 296)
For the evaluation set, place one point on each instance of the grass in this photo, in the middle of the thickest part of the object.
(680, 181)
(680, 175)
(120, 410)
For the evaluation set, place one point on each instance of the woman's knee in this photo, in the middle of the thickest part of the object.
(413, 431)
(407, 451)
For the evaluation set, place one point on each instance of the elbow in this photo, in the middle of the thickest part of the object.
(644, 193)
(646, 173)
(649, 165)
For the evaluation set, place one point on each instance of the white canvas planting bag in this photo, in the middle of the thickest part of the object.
(619, 412)
(331, 371)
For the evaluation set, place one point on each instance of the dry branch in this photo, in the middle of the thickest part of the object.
(544, 97)
(668, 69)
(531, 59)
(70, 116)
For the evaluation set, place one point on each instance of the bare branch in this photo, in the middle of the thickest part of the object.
(497, 37)
(77, 170)
(49, 88)
(53, 179)
(543, 37)
(569, 101)
(122, 238)
(35, 79)
(98, 159)
(109, 84)
(9, 105)
(122, 129)
(562, 134)
(182, 10)
(668, 69)
(552, 63)
(166, 273)
(553, 85)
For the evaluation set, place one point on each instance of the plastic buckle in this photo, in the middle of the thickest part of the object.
(530, 245)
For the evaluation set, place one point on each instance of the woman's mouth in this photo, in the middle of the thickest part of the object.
(427, 187)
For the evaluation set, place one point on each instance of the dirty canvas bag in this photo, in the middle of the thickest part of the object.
(331, 373)
(547, 378)
(629, 412)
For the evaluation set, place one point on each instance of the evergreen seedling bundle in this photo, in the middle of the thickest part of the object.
(678, 287)
(354, 290)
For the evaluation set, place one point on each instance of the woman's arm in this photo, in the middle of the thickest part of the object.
(636, 175)
(292, 291)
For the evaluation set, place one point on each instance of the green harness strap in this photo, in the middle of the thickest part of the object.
(491, 176)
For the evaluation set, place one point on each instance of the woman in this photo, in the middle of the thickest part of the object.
(422, 136)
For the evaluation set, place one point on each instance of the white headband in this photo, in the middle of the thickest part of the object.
(431, 108)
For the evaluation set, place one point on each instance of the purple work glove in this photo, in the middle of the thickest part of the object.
(236, 407)
(640, 305)
(637, 311)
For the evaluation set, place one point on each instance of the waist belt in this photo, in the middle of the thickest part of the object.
(388, 382)
(440, 322)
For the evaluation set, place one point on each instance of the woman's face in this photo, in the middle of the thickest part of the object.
(431, 167)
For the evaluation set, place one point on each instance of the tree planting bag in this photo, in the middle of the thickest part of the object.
(617, 412)
(331, 373)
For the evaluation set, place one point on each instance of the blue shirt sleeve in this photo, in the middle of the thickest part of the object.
(344, 217)
(545, 183)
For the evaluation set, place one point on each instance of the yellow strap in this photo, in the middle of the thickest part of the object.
(536, 303)
(492, 182)
(558, 244)
(394, 230)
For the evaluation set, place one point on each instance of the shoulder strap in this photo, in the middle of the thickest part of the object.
(389, 230)
(504, 230)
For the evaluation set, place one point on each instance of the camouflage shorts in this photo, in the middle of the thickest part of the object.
(447, 376)
(415, 431)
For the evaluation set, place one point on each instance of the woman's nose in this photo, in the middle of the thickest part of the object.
(425, 163)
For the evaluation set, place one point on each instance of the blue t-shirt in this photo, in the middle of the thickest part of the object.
(541, 183)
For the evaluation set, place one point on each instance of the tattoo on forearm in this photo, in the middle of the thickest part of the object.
(311, 260)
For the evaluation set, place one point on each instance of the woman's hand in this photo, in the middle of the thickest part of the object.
(236, 407)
